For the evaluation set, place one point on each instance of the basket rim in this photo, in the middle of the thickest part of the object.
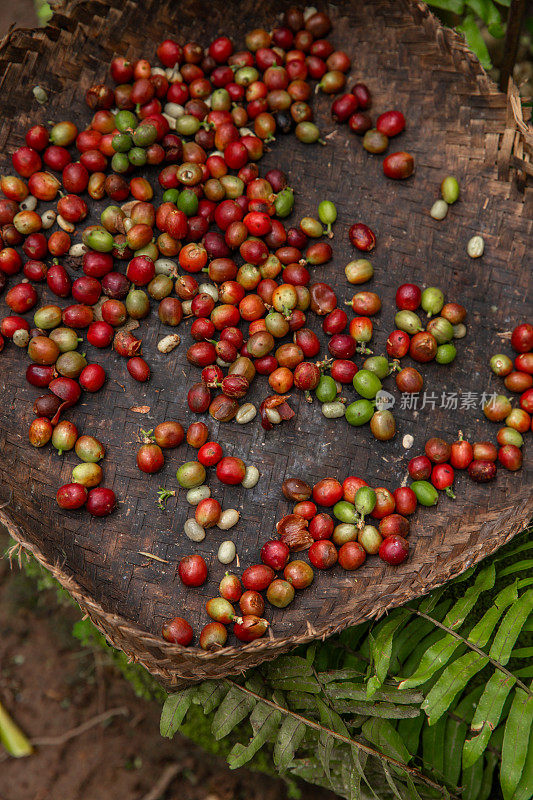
(463, 59)
(97, 613)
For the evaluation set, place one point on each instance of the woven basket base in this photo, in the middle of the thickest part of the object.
(455, 119)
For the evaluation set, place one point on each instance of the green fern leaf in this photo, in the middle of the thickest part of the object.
(510, 628)
(173, 713)
(290, 737)
(454, 738)
(486, 789)
(452, 681)
(386, 738)
(293, 673)
(359, 760)
(456, 676)
(412, 663)
(484, 581)
(392, 783)
(265, 721)
(433, 747)
(522, 652)
(487, 11)
(524, 789)
(356, 691)
(330, 719)
(289, 667)
(412, 792)
(517, 566)
(381, 647)
(432, 661)
(410, 730)
(351, 780)
(487, 716)
(303, 684)
(524, 672)
(515, 742)
(442, 651)
(505, 553)
(436, 656)
(453, 6)
(472, 780)
(209, 695)
(235, 707)
(339, 675)
(300, 701)
(406, 641)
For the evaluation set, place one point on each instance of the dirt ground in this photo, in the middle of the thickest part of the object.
(51, 686)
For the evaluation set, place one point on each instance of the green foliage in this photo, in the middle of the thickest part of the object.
(470, 17)
(44, 11)
(432, 701)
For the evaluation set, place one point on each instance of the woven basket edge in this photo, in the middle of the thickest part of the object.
(257, 652)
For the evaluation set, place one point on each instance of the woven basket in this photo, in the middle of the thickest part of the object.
(456, 124)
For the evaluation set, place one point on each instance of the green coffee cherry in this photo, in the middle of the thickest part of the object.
(187, 125)
(99, 239)
(366, 383)
(345, 512)
(284, 202)
(327, 213)
(186, 201)
(190, 474)
(125, 120)
(425, 492)
(120, 163)
(365, 500)
(137, 156)
(308, 133)
(408, 321)
(359, 413)
(445, 354)
(145, 135)
(171, 196)
(326, 391)
(449, 189)
(441, 329)
(122, 142)
(432, 300)
(379, 365)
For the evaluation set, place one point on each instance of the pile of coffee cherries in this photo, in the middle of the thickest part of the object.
(189, 120)
(349, 535)
(518, 379)
(206, 242)
(410, 338)
(435, 342)
(347, 542)
(352, 108)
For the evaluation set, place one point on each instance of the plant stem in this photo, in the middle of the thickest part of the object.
(346, 740)
(474, 647)
(15, 742)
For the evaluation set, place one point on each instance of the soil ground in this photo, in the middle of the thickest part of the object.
(51, 685)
